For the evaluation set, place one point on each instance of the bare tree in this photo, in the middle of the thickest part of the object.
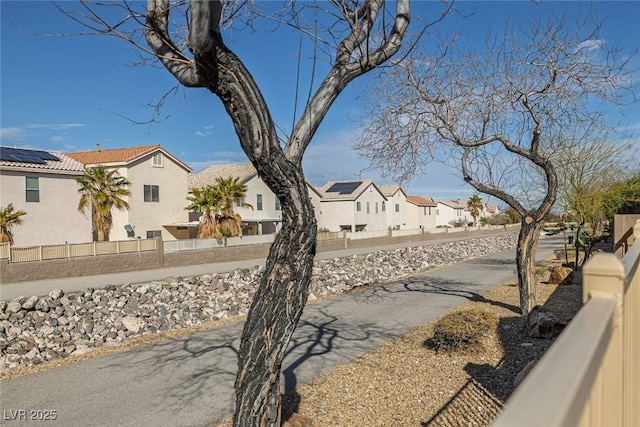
(360, 37)
(501, 114)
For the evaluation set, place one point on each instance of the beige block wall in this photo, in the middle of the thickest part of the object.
(623, 232)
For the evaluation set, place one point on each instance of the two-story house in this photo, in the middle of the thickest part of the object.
(352, 206)
(159, 188)
(452, 212)
(43, 184)
(421, 212)
(396, 206)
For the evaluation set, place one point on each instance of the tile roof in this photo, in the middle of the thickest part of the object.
(491, 208)
(421, 201)
(455, 204)
(243, 171)
(334, 196)
(389, 190)
(113, 155)
(65, 163)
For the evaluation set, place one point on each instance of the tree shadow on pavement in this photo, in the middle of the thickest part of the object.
(200, 368)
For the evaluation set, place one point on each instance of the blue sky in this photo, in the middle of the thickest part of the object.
(69, 93)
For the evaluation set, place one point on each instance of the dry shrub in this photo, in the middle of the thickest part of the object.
(462, 330)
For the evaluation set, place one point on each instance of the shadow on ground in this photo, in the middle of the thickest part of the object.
(482, 397)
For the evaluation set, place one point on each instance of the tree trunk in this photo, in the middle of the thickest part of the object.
(526, 262)
(275, 311)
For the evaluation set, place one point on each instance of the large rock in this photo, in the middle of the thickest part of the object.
(544, 324)
(132, 324)
(561, 276)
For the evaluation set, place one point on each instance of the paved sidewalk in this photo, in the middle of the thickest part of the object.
(68, 284)
(188, 381)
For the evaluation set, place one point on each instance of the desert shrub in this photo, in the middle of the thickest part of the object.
(462, 330)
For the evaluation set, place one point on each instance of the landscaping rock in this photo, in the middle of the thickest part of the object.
(59, 325)
(543, 324)
(561, 276)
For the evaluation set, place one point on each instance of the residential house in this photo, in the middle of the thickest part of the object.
(490, 210)
(159, 188)
(396, 206)
(43, 184)
(352, 206)
(452, 213)
(421, 212)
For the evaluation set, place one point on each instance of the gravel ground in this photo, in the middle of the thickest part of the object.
(405, 383)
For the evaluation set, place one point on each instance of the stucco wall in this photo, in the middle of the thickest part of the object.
(623, 232)
(148, 216)
(55, 218)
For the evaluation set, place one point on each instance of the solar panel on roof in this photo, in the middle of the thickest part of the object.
(26, 156)
(344, 187)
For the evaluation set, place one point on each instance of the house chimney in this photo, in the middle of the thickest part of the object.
(97, 146)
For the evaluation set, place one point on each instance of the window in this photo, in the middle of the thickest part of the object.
(259, 202)
(158, 160)
(33, 188)
(397, 207)
(376, 207)
(384, 207)
(151, 193)
(424, 210)
(278, 207)
(152, 234)
(367, 207)
(437, 211)
(429, 210)
(358, 206)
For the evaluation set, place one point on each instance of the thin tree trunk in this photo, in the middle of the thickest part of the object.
(526, 262)
(274, 313)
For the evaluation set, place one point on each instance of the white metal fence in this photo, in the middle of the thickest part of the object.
(75, 250)
(195, 244)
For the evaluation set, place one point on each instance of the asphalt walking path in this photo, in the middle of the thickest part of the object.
(9, 291)
(188, 381)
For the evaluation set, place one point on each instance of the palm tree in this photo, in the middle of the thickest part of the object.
(216, 203)
(101, 190)
(231, 194)
(9, 218)
(207, 201)
(475, 206)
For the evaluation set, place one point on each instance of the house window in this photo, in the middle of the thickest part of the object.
(397, 207)
(437, 211)
(33, 188)
(152, 234)
(158, 160)
(358, 206)
(151, 193)
(278, 207)
(259, 202)
(367, 207)
(424, 210)
(376, 207)
(384, 207)
(429, 210)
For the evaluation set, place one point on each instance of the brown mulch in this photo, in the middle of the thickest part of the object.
(406, 383)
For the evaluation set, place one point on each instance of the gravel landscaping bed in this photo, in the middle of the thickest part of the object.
(44, 330)
(406, 383)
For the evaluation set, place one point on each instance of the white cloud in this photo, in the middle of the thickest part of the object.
(23, 133)
(57, 139)
(12, 133)
(591, 45)
(54, 126)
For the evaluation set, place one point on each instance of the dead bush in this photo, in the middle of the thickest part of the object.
(462, 330)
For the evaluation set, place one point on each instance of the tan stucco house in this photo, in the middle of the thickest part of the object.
(159, 188)
(352, 206)
(43, 184)
(421, 212)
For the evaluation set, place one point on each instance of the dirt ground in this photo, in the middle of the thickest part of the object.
(406, 383)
